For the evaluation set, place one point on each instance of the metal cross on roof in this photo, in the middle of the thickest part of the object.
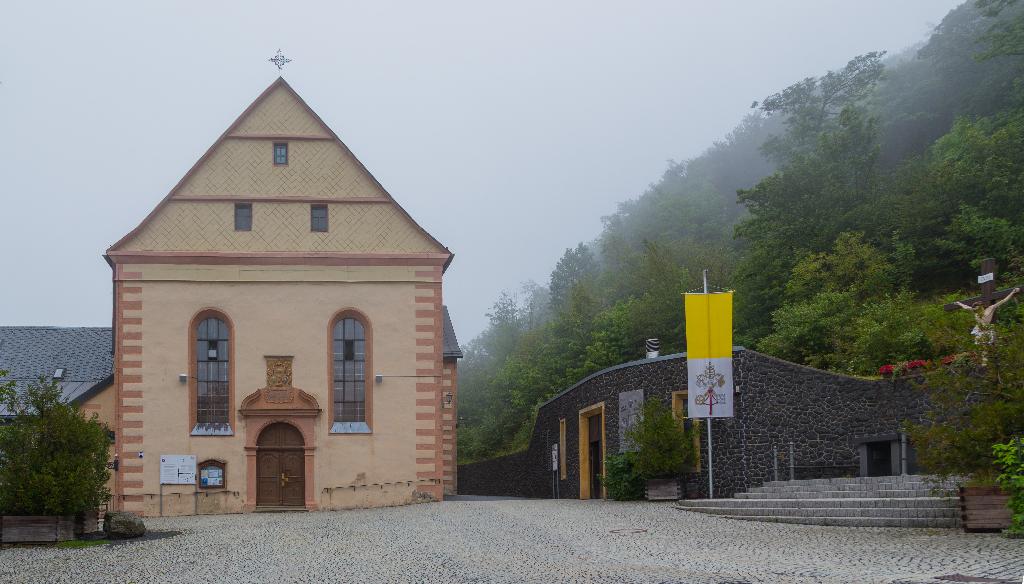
(280, 60)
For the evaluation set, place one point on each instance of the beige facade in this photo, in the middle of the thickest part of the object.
(280, 287)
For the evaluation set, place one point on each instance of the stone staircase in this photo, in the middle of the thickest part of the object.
(898, 501)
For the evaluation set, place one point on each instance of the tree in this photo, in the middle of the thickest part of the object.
(577, 266)
(1005, 37)
(664, 447)
(802, 209)
(54, 459)
(810, 105)
(977, 401)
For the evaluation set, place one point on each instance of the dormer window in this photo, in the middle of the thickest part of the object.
(280, 153)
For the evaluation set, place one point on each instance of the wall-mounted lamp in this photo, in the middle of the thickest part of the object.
(183, 378)
(378, 378)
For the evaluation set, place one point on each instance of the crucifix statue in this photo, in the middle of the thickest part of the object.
(984, 306)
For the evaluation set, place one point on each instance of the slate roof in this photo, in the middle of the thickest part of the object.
(28, 352)
(449, 342)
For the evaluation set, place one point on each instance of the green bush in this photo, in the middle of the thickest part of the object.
(976, 400)
(54, 460)
(1010, 458)
(664, 446)
(622, 480)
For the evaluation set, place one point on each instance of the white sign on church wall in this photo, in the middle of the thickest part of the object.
(177, 469)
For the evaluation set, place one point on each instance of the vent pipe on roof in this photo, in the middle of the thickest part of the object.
(653, 348)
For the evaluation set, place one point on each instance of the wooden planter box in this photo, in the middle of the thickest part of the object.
(36, 528)
(87, 522)
(984, 509)
(663, 490)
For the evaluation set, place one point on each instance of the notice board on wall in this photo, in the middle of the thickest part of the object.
(177, 469)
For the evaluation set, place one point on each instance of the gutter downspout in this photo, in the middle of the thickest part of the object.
(116, 495)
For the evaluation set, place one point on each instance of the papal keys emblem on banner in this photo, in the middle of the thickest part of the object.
(709, 355)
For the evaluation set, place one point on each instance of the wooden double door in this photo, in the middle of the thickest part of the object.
(280, 467)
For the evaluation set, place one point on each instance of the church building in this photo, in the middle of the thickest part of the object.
(279, 317)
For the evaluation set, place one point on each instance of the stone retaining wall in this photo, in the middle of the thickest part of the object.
(825, 415)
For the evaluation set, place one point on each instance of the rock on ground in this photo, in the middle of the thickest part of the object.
(123, 525)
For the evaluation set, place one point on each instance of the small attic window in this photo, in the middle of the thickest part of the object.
(280, 153)
(58, 374)
(243, 216)
(318, 218)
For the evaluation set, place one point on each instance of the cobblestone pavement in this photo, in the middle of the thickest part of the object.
(519, 541)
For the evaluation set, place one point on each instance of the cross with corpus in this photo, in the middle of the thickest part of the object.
(984, 306)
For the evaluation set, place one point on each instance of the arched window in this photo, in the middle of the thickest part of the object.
(212, 401)
(349, 387)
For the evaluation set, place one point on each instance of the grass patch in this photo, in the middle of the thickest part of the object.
(82, 543)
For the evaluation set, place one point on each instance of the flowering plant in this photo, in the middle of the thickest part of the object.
(902, 368)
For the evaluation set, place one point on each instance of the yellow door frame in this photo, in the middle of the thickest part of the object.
(584, 447)
(679, 399)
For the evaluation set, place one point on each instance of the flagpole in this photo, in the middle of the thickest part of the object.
(711, 472)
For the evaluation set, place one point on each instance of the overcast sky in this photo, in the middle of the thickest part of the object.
(506, 129)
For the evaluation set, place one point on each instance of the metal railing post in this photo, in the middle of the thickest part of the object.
(792, 464)
(775, 461)
(903, 453)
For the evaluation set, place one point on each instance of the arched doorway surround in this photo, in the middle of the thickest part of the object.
(288, 414)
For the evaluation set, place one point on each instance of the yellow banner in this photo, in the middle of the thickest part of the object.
(708, 325)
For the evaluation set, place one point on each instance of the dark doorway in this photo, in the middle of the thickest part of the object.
(595, 457)
(280, 467)
(879, 456)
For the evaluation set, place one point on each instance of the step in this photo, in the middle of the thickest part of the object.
(892, 513)
(858, 490)
(854, 521)
(851, 484)
(279, 509)
(850, 502)
(901, 493)
(846, 485)
(927, 479)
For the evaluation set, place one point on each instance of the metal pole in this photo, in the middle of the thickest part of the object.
(775, 461)
(903, 453)
(792, 468)
(711, 468)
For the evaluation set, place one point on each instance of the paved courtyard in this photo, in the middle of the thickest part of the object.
(519, 541)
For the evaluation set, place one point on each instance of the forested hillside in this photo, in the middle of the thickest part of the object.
(842, 210)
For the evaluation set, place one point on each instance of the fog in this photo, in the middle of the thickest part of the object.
(507, 131)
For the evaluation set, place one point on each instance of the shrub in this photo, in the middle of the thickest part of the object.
(622, 480)
(54, 460)
(1010, 458)
(976, 400)
(664, 447)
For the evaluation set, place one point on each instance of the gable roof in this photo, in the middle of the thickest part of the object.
(449, 343)
(31, 352)
(240, 125)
